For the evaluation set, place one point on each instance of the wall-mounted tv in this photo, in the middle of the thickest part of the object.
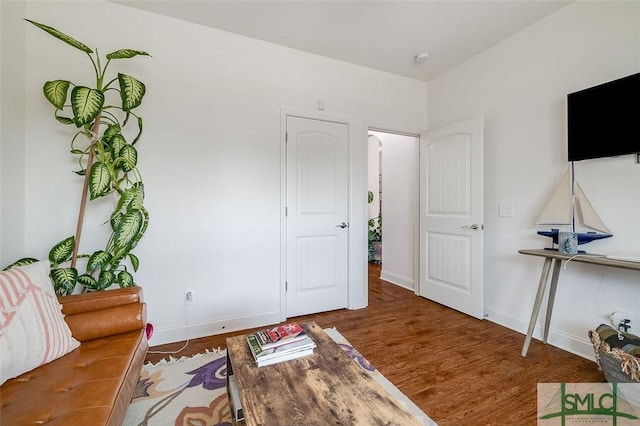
(604, 120)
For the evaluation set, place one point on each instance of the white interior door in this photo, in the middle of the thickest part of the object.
(451, 216)
(317, 234)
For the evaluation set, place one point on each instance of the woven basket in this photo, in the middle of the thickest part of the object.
(617, 365)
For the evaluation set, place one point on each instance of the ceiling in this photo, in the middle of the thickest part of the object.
(383, 35)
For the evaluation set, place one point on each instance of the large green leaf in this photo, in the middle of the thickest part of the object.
(130, 199)
(62, 251)
(105, 279)
(135, 262)
(143, 229)
(63, 120)
(131, 91)
(86, 104)
(98, 259)
(125, 54)
(99, 179)
(115, 221)
(56, 92)
(125, 279)
(64, 278)
(125, 200)
(117, 143)
(128, 228)
(88, 281)
(112, 130)
(29, 260)
(129, 155)
(61, 36)
(138, 199)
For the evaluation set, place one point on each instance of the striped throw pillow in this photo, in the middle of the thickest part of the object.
(32, 328)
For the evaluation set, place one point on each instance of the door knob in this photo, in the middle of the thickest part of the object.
(342, 225)
(475, 227)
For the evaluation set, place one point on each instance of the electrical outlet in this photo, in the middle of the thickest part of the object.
(621, 321)
(189, 297)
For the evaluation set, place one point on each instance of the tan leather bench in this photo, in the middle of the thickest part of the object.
(93, 384)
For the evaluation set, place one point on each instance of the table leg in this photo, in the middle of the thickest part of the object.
(544, 277)
(552, 296)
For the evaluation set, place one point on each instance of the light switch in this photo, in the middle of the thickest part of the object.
(505, 209)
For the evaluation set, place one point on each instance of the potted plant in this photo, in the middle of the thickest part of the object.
(108, 164)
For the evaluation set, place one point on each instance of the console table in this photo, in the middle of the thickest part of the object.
(555, 257)
(327, 387)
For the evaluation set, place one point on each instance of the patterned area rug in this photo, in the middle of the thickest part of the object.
(191, 391)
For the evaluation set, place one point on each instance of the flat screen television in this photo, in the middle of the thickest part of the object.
(604, 120)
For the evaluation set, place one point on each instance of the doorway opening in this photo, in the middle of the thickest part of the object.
(392, 183)
(374, 200)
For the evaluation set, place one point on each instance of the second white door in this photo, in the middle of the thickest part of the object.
(317, 233)
(451, 216)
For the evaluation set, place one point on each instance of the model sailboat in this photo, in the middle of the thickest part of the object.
(569, 205)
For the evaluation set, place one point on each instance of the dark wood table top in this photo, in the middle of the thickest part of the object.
(325, 388)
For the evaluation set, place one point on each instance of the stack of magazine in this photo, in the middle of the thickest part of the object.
(281, 343)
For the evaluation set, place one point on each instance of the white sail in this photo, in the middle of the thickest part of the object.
(587, 214)
(560, 207)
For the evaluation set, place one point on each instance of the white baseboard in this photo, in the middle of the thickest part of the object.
(162, 336)
(580, 346)
(396, 279)
(194, 331)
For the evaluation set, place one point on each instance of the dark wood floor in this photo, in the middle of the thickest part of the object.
(457, 369)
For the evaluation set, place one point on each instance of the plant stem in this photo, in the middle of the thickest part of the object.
(85, 191)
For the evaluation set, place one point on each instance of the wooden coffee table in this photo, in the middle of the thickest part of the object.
(327, 387)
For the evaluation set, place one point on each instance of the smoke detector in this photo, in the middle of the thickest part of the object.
(422, 58)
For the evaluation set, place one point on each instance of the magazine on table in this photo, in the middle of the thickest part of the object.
(296, 349)
(280, 335)
(286, 357)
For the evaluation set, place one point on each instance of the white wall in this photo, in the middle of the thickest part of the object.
(399, 207)
(520, 86)
(12, 105)
(209, 155)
